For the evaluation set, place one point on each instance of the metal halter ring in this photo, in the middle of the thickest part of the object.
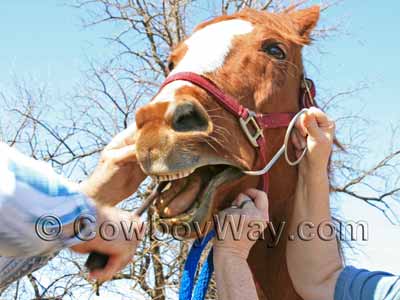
(282, 150)
(289, 130)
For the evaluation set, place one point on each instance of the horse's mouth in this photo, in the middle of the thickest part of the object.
(183, 192)
(188, 196)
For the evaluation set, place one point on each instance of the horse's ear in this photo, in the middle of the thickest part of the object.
(305, 20)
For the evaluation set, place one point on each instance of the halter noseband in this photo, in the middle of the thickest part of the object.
(247, 118)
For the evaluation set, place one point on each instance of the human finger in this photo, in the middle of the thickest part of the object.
(321, 118)
(125, 137)
(298, 140)
(311, 125)
(105, 274)
(260, 199)
(317, 122)
(300, 125)
(295, 140)
(242, 200)
(124, 154)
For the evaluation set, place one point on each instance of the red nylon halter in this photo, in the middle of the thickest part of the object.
(259, 122)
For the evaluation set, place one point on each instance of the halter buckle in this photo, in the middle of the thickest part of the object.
(253, 133)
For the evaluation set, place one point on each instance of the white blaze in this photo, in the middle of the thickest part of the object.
(207, 50)
(208, 47)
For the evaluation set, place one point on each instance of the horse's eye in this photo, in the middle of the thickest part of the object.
(274, 50)
(171, 66)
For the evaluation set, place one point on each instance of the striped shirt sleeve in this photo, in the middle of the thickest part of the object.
(36, 205)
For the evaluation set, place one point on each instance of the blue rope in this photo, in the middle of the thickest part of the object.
(189, 271)
(207, 270)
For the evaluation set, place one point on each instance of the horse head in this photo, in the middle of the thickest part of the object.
(187, 138)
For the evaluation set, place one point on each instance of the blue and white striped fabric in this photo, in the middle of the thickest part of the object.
(29, 190)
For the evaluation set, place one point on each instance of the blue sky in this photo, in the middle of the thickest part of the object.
(45, 40)
(367, 51)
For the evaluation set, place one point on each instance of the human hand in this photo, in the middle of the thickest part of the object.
(316, 131)
(117, 175)
(120, 247)
(252, 207)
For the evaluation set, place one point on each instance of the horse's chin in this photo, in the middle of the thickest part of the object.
(187, 202)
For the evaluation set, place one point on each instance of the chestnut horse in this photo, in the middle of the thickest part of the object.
(187, 138)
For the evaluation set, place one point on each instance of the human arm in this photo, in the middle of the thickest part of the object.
(232, 272)
(314, 265)
(30, 190)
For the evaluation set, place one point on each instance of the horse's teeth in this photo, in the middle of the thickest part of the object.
(171, 177)
(167, 187)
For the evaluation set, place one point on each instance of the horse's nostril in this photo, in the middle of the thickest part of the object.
(189, 117)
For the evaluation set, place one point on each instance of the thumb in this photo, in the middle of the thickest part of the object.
(124, 138)
(124, 154)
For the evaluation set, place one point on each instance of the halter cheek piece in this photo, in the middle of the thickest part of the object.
(253, 124)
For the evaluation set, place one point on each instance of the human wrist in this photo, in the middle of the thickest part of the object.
(93, 191)
(313, 181)
(85, 189)
(84, 225)
(310, 171)
(224, 252)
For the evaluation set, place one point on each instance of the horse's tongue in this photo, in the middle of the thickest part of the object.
(184, 200)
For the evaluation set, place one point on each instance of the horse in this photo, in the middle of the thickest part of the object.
(186, 138)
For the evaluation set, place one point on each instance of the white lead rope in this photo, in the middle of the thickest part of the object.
(282, 150)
